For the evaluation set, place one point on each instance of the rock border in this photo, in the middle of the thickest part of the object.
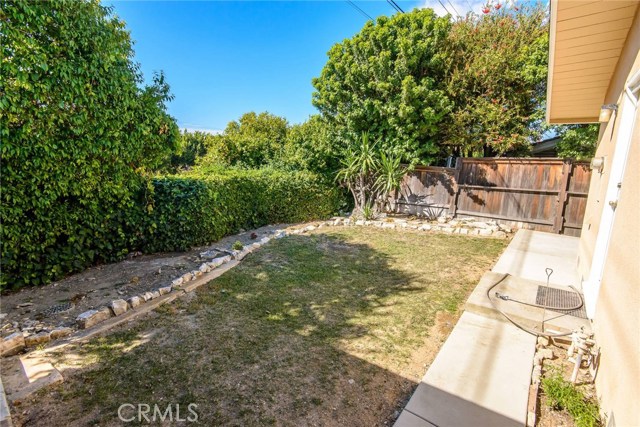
(19, 341)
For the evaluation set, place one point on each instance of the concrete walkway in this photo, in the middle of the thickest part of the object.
(481, 375)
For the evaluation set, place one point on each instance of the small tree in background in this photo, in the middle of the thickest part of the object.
(253, 141)
(577, 141)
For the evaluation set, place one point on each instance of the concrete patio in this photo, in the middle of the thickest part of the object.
(481, 376)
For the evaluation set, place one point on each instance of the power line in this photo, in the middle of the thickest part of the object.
(443, 6)
(393, 5)
(454, 9)
(396, 6)
(355, 6)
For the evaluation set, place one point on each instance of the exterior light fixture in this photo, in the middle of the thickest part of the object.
(606, 111)
(597, 164)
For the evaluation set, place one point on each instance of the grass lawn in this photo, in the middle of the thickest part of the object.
(332, 328)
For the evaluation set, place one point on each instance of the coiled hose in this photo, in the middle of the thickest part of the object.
(524, 328)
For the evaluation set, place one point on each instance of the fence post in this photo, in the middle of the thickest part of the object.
(453, 205)
(561, 202)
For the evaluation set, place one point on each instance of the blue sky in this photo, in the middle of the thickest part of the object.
(225, 58)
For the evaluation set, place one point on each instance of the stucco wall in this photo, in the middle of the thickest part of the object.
(617, 317)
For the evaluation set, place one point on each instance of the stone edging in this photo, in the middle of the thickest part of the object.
(136, 304)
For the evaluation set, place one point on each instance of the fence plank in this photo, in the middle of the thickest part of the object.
(562, 197)
(545, 193)
(456, 187)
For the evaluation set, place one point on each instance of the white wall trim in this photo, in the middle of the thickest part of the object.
(591, 286)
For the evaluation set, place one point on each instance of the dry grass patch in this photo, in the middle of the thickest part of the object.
(331, 328)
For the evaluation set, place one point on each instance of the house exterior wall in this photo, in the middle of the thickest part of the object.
(617, 316)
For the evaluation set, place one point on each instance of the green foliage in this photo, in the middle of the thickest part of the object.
(496, 75)
(253, 141)
(310, 146)
(237, 245)
(386, 80)
(201, 207)
(369, 174)
(562, 395)
(192, 146)
(78, 133)
(578, 141)
(427, 88)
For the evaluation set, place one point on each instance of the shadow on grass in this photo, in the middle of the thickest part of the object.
(311, 330)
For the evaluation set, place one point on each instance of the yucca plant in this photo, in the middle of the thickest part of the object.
(370, 175)
(390, 174)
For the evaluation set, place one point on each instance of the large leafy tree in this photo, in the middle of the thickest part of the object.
(386, 81)
(79, 131)
(496, 75)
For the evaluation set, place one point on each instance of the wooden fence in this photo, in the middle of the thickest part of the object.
(537, 193)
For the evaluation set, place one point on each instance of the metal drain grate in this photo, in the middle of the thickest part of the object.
(560, 298)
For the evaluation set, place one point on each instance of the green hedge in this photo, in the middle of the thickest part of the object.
(170, 213)
(196, 209)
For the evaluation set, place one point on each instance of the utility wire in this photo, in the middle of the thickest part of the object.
(443, 6)
(393, 6)
(355, 6)
(397, 6)
(452, 7)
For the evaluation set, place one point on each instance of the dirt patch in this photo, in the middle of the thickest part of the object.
(43, 308)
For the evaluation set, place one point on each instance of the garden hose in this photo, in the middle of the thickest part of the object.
(524, 328)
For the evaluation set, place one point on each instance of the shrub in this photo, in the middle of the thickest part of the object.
(198, 208)
(237, 245)
(78, 134)
(562, 395)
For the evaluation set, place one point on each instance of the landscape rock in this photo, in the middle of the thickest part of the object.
(164, 290)
(505, 228)
(12, 344)
(479, 224)
(196, 274)
(536, 374)
(442, 220)
(310, 228)
(60, 332)
(449, 230)
(147, 296)
(501, 234)
(92, 317)
(464, 231)
(186, 277)
(135, 301)
(484, 232)
(37, 339)
(546, 353)
(118, 306)
(204, 268)
(177, 282)
(360, 222)
(543, 341)
(155, 294)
